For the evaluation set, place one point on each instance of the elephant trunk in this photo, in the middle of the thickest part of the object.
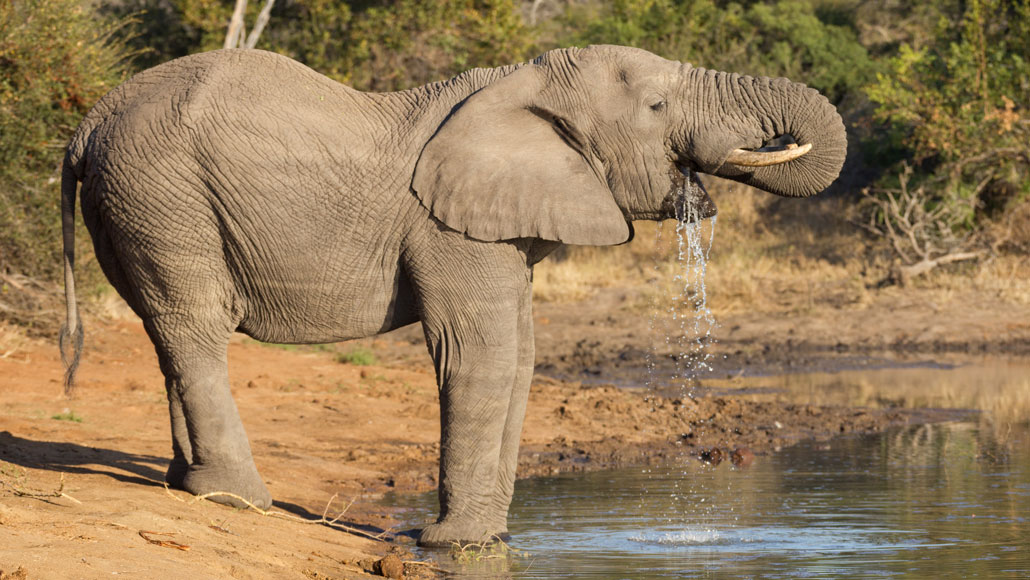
(739, 115)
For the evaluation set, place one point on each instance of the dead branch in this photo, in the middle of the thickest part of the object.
(324, 520)
(922, 231)
(236, 35)
(163, 543)
(232, 35)
(259, 24)
(904, 274)
(20, 491)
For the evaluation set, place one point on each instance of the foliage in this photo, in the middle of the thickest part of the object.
(783, 38)
(315, 32)
(409, 42)
(381, 46)
(56, 60)
(958, 108)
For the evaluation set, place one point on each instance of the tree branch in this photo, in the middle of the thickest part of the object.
(259, 24)
(232, 35)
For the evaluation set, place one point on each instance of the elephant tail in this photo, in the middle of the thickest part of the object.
(71, 332)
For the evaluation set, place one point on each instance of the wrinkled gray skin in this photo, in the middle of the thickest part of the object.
(239, 191)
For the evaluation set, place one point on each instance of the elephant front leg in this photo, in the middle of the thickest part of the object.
(475, 392)
(512, 434)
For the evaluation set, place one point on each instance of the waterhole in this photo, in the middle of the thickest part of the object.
(941, 500)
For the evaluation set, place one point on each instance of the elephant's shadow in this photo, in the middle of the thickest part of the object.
(73, 458)
(142, 469)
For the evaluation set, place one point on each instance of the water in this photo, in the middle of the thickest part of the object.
(934, 501)
(685, 319)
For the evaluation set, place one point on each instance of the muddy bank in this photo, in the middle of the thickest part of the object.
(574, 342)
(320, 429)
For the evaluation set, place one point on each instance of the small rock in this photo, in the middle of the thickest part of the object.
(713, 456)
(742, 457)
(390, 566)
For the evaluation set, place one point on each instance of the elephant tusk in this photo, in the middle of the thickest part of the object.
(765, 158)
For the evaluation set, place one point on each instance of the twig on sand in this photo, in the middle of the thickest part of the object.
(24, 492)
(163, 543)
(333, 523)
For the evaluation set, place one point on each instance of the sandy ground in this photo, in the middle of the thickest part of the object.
(323, 430)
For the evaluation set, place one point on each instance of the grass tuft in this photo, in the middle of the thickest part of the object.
(358, 356)
(67, 415)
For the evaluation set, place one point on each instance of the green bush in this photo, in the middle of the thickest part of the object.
(409, 42)
(380, 46)
(56, 60)
(957, 107)
(789, 38)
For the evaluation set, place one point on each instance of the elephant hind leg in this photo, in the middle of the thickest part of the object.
(212, 453)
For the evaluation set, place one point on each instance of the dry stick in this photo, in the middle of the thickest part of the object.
(163, 543)
(22, 492)
(277, 514)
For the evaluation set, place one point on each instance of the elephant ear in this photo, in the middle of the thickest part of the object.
(503, 166)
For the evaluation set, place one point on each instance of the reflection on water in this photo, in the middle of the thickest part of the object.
(999, 387)
(933, 501)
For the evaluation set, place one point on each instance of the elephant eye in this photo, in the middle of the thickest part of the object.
(658, 106)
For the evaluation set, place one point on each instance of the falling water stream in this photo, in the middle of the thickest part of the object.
(684, 319)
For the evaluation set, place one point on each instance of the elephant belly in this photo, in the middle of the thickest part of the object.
(340, 304)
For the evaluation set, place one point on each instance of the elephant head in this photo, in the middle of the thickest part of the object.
(573, 145)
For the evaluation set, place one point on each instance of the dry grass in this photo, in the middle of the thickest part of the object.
(769, 254)
(1004, 278)
(13, 338)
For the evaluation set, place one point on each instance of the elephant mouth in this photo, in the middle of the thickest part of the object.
(690, 201)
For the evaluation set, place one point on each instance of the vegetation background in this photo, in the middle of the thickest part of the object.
(935, 96)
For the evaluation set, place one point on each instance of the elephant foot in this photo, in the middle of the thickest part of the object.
(240, 483)
(462, 533)
(176, 474)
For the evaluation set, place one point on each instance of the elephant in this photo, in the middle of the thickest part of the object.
(240, 191)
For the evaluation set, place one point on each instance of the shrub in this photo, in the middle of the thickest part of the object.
(55, 62)
(957, 108)
(381, 46)
(409, 42)
(789, 38)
